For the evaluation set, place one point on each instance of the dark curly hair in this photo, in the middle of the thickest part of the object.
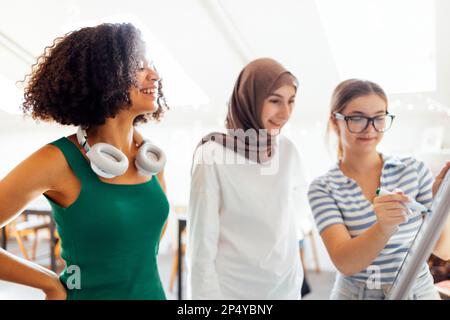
(85, 76)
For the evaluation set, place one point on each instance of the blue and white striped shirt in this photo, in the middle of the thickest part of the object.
(336, 199)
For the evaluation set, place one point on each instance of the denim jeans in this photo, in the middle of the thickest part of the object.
(346, 288)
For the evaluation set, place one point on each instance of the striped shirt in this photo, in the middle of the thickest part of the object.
(336, 199)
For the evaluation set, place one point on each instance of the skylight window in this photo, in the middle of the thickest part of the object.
(390, 42)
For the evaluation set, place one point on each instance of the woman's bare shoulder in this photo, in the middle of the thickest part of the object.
(51, 153)
(43, 170)
(48, 161)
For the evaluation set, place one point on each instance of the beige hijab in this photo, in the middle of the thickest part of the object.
(245, 131)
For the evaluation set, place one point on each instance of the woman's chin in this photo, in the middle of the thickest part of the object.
(150, 109)
(365, 148)
(273, 131)
(367, 144)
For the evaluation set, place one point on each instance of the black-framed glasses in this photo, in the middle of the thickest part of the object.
(358, 124)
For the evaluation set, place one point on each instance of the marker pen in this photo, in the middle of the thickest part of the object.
(413, 205)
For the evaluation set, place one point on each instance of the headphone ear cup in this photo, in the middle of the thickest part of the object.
(100, 172)
(107, 161)
(150, 159)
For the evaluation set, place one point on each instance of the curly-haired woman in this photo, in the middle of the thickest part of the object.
(98, 79)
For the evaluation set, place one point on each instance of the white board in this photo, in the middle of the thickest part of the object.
(423, 244)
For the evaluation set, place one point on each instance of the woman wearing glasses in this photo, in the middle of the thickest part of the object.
(366, 236)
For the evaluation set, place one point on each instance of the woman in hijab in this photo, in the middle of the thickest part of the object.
(242, 224)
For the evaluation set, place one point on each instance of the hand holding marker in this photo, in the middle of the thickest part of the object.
(412, 205)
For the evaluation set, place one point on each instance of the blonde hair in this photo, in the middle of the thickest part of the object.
(344, 93)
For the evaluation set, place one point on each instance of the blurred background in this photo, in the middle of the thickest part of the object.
(199, 47)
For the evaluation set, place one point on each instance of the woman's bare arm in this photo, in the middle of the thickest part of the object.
(18, 270)
(35, 175)
(350, 256)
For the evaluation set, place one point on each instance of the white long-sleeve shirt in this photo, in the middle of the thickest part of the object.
(243, 225)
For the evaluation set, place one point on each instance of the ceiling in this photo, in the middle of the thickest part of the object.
(207, 42)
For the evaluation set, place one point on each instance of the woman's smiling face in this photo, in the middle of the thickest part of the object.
(370, 105)
(277, 108)
(144, 96)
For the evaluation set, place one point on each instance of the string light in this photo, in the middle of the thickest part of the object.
(435, 106)
(431, 104)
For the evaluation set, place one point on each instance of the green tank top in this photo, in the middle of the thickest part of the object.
(110, 235)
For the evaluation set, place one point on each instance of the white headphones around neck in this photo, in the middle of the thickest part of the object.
(108, 162)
